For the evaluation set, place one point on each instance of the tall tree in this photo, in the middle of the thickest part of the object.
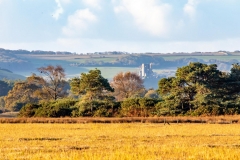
(49, 86)
(21, 93)
(127, 84)
(234, 80)
(92, 84)
(52, 82)
(195, 85)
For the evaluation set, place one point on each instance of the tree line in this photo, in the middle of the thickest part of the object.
(196, 89)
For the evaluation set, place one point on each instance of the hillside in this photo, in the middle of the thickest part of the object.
(6, 74)
(25, 62)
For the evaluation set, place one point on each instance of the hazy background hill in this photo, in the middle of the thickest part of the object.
(23, 62)
(6, 74)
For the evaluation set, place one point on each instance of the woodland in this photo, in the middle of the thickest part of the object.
(197, 89)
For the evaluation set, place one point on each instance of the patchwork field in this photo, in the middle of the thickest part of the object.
(39, 60)
(205, 58)
(119, 141)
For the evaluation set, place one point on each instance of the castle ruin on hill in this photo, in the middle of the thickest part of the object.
(146, 71)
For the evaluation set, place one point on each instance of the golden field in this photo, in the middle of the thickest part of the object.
(119, 141)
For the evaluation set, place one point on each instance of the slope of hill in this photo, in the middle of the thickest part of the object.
(6, 74)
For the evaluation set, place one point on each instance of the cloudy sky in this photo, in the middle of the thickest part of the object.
(120, 25)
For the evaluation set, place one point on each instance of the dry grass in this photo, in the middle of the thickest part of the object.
(165, 120)
(119, 141)
(9, 115)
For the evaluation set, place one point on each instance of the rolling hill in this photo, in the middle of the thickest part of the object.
(6, 74)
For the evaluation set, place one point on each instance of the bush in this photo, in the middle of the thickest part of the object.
(58, 108)
(208, 110)
(96, 108)
(85, 108)
(147, 106)
(163, 109)
(130, 107)
(53, 111)
(28, 110)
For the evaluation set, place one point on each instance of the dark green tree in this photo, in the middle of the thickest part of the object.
(94, 89)
(92, 84)
(194, 86)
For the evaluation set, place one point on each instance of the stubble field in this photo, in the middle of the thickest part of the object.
(119, 141)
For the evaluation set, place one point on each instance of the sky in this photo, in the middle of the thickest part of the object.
(134, 26)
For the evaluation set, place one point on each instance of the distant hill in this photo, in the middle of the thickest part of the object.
(6, 74)
(26, 62)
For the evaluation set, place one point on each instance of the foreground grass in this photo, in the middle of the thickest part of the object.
(119, 141)
(11, 117)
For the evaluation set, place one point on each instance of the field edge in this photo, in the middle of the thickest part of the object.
(165, 120)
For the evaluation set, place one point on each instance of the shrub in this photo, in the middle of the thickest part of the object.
(163, 109)
(28, 110)
(147, 106)
(96, 108)
(208, 110)
(130, 107)
(52, 111)
(135, 107)
(58, 108)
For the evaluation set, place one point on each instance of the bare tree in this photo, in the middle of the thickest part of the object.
(52, 81)
(48, 86)
(127, 84)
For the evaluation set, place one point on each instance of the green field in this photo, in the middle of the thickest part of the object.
(129, 141)
(74, 71)
(84, 60)
(205, 58)
(110, 72)
(107, 72)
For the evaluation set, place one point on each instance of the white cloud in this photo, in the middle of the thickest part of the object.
(118, 9)
(190, 8)
(59, 10)
(93, 3)
(1, 1)
(149, 15)
(65, 1)
(79, 22)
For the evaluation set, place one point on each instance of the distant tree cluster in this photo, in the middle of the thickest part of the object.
(200, 89)
(157, 61)
(196, 89)
(37, 88)
(14, 59)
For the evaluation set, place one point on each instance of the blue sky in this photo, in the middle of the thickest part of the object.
(83, 26)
